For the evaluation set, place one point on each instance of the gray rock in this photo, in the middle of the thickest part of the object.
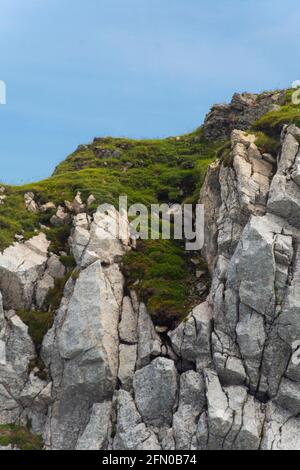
(21, 266)
(55, 268)
(191, 339)
(281, 430)
(87, 367)
(47, 207)
(30, 203)
(227, 361)
(91, 199)
(241, 113)
(149, 343)
(220, 415)
(60, 218)
(155, 388)
(127, 361)
(42, 288)
(109, 235)
(131, 433)
(128, 323)
(288, 396)
(96, 433)
(36, 393)
(191, 403)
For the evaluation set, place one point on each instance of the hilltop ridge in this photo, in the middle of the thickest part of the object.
(125, 344)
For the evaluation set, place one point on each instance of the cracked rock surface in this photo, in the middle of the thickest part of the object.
(225, 378)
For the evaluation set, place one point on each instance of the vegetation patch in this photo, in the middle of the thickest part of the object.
(267, 144)
(68, 261)
(162, 274)
(38, 324)
(272, 122)
(224, 154)
(59, 238)
(19, 437)
(147, 171)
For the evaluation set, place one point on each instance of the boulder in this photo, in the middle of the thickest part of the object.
(86, 370)
(131, 433)
(155, 388)
(30, 203)
(21, 266)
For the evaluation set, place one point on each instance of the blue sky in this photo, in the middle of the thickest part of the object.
(78, 69)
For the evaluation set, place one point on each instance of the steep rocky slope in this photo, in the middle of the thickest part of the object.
(92, 358)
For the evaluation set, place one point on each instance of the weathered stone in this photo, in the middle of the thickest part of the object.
(128, 323)
(109, 234)
(91, 199)
(191, 403)
(36, 393)
(96, 433)
(149, 343)
(155, 388)
(42, 289)
(21, 266)
(241, 113)
(281, 430)
(191, 339)
(127, 361)
(88, 345)
(60, 218)
(78, 205)
(30, 203)
(228, 364)
(131, 433)
(220, 416)
(55, 268)
(288, 396)
(47, 207)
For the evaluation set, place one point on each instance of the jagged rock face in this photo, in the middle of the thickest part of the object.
(254, 296)
(105, 238)
(232, 193)
(21, 393)
(21, 266)
(225, 378)
(241, 113)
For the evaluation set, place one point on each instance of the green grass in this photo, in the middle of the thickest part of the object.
(271, 123)
(55, 294)
(147, 171)
(162, 274)
(267, 144)
(19, 437)
(68, 261)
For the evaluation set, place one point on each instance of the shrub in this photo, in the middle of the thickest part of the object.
(68, 261)
(19, 437)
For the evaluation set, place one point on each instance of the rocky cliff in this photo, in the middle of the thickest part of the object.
(102, 374)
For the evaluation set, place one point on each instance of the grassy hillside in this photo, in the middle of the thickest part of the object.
(147, 171)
